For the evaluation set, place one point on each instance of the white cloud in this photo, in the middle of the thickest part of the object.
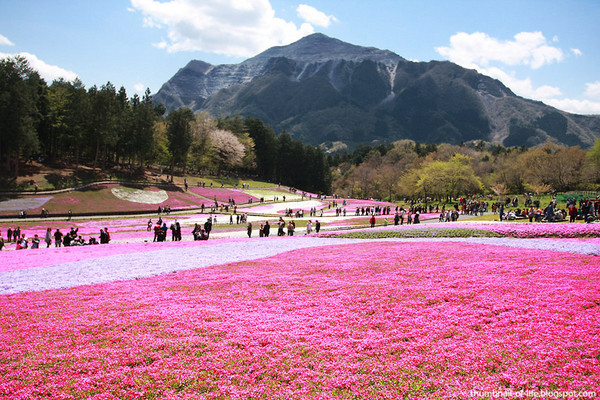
(522, 87)
(593, 90)
(139, 87)
(575, 106)
(5, 42)
(314, 16)
(240, 28)
(46, 71)
(490, 57)
(550, 95)
(527, 48)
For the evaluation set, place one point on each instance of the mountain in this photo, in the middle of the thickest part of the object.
(322, 90)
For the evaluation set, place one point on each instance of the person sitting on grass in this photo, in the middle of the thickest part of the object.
(35, 242)
(67, 240)
(22, 243)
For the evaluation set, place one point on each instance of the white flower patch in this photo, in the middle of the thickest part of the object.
(23, 204)
(140, 196)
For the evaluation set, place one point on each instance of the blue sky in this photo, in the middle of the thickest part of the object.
(546, 50)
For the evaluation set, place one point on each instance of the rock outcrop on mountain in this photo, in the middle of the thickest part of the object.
(321, 90)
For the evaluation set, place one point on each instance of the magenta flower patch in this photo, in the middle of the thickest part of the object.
(372, 320)
(223, 195)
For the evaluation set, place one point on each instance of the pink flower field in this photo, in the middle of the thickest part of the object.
(223, 195)
(372, 320)
(100, 199)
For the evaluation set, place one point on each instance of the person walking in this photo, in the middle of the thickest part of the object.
(249, 229)
(48, 238)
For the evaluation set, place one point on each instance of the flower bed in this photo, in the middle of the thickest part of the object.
(538, 230)
(223, 195)
(100, 199)
(507, 229)
(378, 321)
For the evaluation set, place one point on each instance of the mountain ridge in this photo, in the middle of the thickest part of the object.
(323, 90)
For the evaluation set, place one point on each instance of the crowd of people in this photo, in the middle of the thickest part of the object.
(582, 209)
(59, 238)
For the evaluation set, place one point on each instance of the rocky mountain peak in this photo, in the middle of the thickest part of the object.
(322, 90)
(318, 48)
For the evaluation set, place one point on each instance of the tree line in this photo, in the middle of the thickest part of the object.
(406, 169)
(103, 127)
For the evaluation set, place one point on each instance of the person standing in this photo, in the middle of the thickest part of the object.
(372, 220)
(309, 227)
(104, 236)
(208, 226)
(178, 231)
(103, 239)
(267, 229)
(48, 238)
(249, 229)
(572, 213)
(173, 232)
(58, 238)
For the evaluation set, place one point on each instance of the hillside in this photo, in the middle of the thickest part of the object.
(322, 90)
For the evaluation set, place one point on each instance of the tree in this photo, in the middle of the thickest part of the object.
(265, 147)
(592, 169)
(593, 154)
(19, 94)
(228, 151)
(76, 118)
(556, 166)
(448, 178)
(143, 119)
(102, 131)
(200, 148)
(179, 135)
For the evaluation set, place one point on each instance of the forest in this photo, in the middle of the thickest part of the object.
(65, 123)
(406, 169)
(68, 124)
